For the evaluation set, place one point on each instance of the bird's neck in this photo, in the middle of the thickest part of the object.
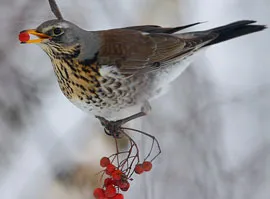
(59, 52)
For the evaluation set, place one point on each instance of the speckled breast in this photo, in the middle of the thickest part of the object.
(86, 88)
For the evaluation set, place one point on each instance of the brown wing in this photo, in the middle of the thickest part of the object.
(133, 51)
(159, 29)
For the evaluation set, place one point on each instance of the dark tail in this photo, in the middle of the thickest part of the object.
(234, 30)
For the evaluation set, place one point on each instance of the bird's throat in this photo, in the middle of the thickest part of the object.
(77, 81)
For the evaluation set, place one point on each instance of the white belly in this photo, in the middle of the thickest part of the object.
(160, 80)
(165, 76)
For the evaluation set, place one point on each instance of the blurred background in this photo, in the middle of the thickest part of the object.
(213, 124)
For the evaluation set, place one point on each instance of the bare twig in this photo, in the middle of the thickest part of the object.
(55, 9)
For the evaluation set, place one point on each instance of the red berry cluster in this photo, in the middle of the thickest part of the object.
(121, 166)
(117, 180)
(100, 193)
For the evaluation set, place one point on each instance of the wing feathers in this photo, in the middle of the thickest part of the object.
(132, 51)
(159, 29)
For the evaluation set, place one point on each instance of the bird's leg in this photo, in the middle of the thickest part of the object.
(113, 127)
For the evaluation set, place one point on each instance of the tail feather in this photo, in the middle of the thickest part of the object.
(234, 30)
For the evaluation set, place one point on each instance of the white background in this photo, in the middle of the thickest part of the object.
(213, 124)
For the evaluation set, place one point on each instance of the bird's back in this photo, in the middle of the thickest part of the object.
(130, 67)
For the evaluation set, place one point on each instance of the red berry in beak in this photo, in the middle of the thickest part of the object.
(24, 36)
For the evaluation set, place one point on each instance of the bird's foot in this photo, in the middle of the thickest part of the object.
(112, 128)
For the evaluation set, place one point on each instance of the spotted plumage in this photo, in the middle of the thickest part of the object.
(108, 71)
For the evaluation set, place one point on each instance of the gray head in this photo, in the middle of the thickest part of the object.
(57, 36)
(60, 32)
(56, 31)
(61, 38)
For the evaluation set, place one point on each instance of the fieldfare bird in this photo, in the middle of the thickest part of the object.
(107, 71)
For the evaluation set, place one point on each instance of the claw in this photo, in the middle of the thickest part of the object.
(111, 128)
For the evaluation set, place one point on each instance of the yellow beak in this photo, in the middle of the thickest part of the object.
(41, 36)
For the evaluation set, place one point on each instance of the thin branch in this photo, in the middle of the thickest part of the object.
(55, 9)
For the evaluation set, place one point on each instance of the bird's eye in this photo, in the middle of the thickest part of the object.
(57, 31)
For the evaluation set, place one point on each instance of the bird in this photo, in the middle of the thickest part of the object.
(108, 71)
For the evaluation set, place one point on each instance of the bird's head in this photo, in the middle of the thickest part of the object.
(56, 37)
